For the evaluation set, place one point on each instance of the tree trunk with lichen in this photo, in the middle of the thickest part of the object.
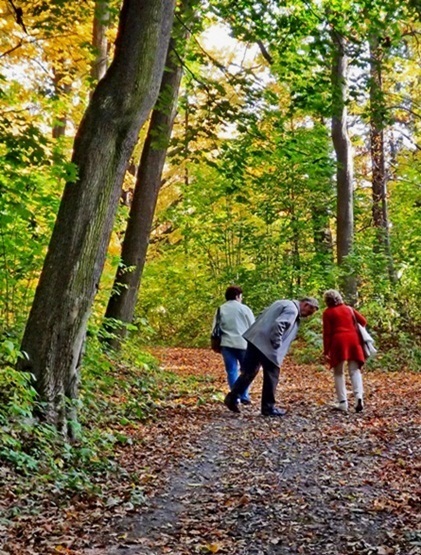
(119, 106)
(121, 306)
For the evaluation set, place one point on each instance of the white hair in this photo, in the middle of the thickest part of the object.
(332, 297)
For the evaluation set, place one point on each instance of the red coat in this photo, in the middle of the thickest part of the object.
(340, 337)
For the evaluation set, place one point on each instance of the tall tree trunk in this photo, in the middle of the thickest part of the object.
(106, 137)
(344, 172)
(377, 149)
(99, 40)
(121, 305)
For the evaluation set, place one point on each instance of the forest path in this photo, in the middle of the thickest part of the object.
(313, 482)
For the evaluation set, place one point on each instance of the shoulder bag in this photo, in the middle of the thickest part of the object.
(366, 340)
(216, 334)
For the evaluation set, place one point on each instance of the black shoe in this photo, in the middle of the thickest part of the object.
(359, 406)
(274, 412)
(245, 401)
(231, 403)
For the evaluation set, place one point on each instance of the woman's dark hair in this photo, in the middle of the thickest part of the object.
(232, 292)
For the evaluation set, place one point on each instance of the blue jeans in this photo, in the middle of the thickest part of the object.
(233, 360)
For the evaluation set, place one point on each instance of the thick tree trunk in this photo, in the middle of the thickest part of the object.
(121, 305)
(99, 40)
(56, 326)
(344, 172)
(377, 149)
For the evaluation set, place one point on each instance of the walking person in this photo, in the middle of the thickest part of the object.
(342, 344)
(268, 341)
(235, 319)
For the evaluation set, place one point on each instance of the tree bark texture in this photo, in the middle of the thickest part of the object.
(378, 158)
(344, 164)
(121, 305)
(99, 40)
(106, 137)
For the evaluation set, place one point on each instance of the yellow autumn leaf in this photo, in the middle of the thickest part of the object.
(213, 547)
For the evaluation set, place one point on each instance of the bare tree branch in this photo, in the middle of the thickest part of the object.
(264, 52)
(11, 49)
(19, 15)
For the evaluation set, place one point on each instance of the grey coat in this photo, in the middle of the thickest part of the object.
(274, 330)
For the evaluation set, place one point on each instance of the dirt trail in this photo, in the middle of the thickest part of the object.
(315, 482)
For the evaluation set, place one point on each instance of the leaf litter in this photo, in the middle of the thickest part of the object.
(199, 479)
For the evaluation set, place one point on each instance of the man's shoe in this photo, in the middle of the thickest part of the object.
(245, 401)
(274, 412)
(359, 406)
(231, 403)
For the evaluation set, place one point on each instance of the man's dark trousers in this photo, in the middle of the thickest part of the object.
(252, 362)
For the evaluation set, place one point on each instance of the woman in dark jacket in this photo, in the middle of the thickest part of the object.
(341, 343)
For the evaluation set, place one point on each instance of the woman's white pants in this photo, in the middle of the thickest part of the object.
(340, 383)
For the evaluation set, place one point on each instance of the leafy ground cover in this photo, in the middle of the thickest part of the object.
(195, 478)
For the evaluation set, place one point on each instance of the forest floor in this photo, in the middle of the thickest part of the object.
(315, 482)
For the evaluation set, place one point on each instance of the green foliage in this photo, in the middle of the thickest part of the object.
(17, 401)
(264, 224)
(30, 168)
(178, 286)
(117, 395)
(258, 206)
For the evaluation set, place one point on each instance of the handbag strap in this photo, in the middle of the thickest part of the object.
(354, 318)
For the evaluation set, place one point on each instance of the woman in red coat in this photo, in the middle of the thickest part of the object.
(341, 343)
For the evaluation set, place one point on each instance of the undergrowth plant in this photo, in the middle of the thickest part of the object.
(118, 393)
